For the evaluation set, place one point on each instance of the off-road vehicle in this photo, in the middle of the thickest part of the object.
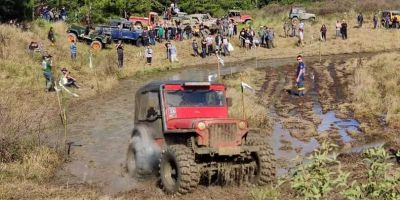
(183, 131)
(298, 14)
(96, 38)
(237, 16)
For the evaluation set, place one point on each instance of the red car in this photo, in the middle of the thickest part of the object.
(183, 131)
(236, 16)
(150, 21)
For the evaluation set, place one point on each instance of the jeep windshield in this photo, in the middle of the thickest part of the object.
(195, 98)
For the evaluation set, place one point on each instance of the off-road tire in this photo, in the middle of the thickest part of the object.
(96, 45)
(131, 160)
(72, 36)
(181, 159)
(264, 158)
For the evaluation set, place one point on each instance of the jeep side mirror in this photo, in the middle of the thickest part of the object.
(229, 102)
(152, 114)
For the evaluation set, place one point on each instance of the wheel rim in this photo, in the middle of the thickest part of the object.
(70, 38)
(96, 46)
(171, 173)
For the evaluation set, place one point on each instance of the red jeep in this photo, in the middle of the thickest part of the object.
(182, 129)
(236, 16)
(150, 21)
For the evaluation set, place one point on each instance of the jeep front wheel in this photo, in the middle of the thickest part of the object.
(96, 45)
(176, 168)
(264, 160)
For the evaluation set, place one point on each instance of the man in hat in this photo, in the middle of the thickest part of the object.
(47, 72)
(67, 80)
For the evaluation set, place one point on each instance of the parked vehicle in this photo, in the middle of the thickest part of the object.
(122, 29)
(237, 16)
(96, 38)
(205, 19)
(183, 131)
(298, 14)
(150, 21)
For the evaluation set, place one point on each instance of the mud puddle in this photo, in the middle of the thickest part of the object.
(101, 127)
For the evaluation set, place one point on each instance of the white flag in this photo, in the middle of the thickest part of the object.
(63, 87)
(220, 60)
(246, 86)
(212, 77)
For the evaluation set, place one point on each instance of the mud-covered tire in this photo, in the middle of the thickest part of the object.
(265, 160)
(176, 170)
(131, 167)
(71, 37)
(96, 45)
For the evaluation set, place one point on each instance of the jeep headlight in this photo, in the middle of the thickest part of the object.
(201, 126)
(242, 125)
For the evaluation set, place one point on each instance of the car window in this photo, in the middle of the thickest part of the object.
(195, 98)
(149, 101)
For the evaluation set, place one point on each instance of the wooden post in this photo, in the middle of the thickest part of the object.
(219, 70)
(320, 53)
(243, 107)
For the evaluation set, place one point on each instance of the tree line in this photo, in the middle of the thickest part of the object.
(100, 10)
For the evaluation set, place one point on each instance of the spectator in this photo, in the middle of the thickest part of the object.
(67, 80)
(152, 36)
(235, 28)
(395, 23)
(230, 29)
(33, 46)
(323, 32)
(360, 20)
(50, 36)
(375, 20)
(73, 50)
(344, 30)
(301, 37)
(149, 55)
(63, 14)
(270, 38)
(167, 49)
(161, 34)
(338, 29)
(203, 48)
(225, 44)
(242, 37)
(47, 72)
(120, 54)
(195, 48)
(173, 53)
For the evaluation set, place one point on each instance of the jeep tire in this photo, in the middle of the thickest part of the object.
(96, 45)
(71, 36)
(264, 158)
(178, 173)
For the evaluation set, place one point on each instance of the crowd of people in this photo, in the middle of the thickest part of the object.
(204, 43)
(52, 14)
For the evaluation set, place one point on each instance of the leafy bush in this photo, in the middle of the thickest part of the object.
(383, 181)
(320, 175)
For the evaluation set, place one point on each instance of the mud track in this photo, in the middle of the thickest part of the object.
(99, 128)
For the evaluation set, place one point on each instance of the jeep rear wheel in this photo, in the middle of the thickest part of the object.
(264, 159)
(71, 37)
(176, 170)
(96, 45)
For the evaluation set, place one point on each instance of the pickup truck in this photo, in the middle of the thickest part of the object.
(123, 30)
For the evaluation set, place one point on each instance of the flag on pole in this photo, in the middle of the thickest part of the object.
(246, 86)
(64, 88)
(212, 77)
(220, 60)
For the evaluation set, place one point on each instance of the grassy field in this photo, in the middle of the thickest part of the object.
(26, 110)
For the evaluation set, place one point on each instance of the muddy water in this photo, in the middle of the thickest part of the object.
(100, 129)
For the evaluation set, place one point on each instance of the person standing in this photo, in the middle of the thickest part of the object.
(344, 30)
(51, 37)
(47, 72)
(323, 32)
(300, 74)
(173, 53)
(149, 55)
(120, 54)
(167, 49)
(360, 20)
(203, 48)
(375, 20)
(161, 34)
(73, 50)
(225, 44)
(338, 29)
(195, 48)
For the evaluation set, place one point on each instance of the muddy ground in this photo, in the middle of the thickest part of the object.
(99, 128)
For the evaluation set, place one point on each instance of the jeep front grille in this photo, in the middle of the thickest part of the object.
(222, 134)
